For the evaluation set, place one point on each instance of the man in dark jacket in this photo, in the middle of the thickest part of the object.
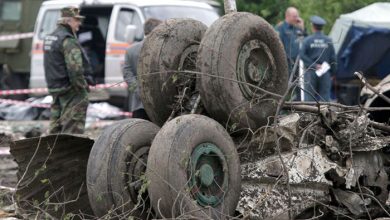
(291, 32)
(319, 57)
(65, 66)
(130, 72)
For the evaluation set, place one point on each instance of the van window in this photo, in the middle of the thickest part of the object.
(101, 13)
(127, 17)
(49, 23)
(10, 10)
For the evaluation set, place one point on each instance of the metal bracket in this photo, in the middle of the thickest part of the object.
(230, 6)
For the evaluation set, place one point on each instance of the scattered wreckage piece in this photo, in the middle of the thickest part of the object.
(319, 166)
(271, 200)
(52, 174)
(264, 192)
(8, 169)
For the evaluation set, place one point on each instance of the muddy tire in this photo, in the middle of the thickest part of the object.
(170, 48)
(193, 170)
(241, 47)
(116, 165)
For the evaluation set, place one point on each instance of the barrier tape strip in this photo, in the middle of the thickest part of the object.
(16, 102)
(16, 36)
(45, 90)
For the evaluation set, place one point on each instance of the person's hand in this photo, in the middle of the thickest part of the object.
(300, 23)
(318, 66)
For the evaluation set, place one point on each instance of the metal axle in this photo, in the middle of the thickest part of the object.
(230, 6)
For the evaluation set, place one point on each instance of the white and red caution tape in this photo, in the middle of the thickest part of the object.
(24, 91)
(16, 36)
(45, 90)
(25, 103)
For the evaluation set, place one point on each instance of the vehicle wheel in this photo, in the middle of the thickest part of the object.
(170, 48)
(116, 167)
(241, 47)
(193, 170)
(377, 101)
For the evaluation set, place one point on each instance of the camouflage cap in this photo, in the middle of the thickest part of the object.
(71, 12)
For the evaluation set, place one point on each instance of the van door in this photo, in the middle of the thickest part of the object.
(92, 36)
(121, 16)
(46, 23)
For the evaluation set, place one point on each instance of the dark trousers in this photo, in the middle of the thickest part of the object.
(318, 87)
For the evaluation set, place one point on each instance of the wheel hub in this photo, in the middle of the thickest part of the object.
(255, 66)
(208, 174)
(136, 167)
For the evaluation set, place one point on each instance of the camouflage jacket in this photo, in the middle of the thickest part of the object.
(63, 61)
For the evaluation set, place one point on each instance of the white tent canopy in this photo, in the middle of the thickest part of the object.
(374, 15)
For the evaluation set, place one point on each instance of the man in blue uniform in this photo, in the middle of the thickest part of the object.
(319, 57)
(291, 31)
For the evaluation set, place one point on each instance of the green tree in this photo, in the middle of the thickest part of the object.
(330, 10)
(270, 10)
(273, 10)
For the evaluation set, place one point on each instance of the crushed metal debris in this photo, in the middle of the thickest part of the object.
(327, 160)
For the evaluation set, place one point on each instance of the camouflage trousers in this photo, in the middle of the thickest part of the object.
(68, 112)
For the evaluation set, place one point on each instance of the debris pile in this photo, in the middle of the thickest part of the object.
(333, 163)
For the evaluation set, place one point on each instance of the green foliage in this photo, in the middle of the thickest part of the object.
(273, 10)
(44, 181)
(330, 10)
(270, 10)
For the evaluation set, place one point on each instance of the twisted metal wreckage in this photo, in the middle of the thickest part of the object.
(317, 161)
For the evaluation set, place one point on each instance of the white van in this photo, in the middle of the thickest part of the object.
(103, 33)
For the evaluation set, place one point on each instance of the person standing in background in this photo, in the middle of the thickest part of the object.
(65, 67)
(130, 72)
(319, 57)
(291, 31)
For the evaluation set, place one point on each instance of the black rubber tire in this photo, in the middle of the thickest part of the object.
(168, 165)
(162, 55)
(219, 61)
(107, 171)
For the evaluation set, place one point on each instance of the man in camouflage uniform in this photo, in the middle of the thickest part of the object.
(65, 66)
